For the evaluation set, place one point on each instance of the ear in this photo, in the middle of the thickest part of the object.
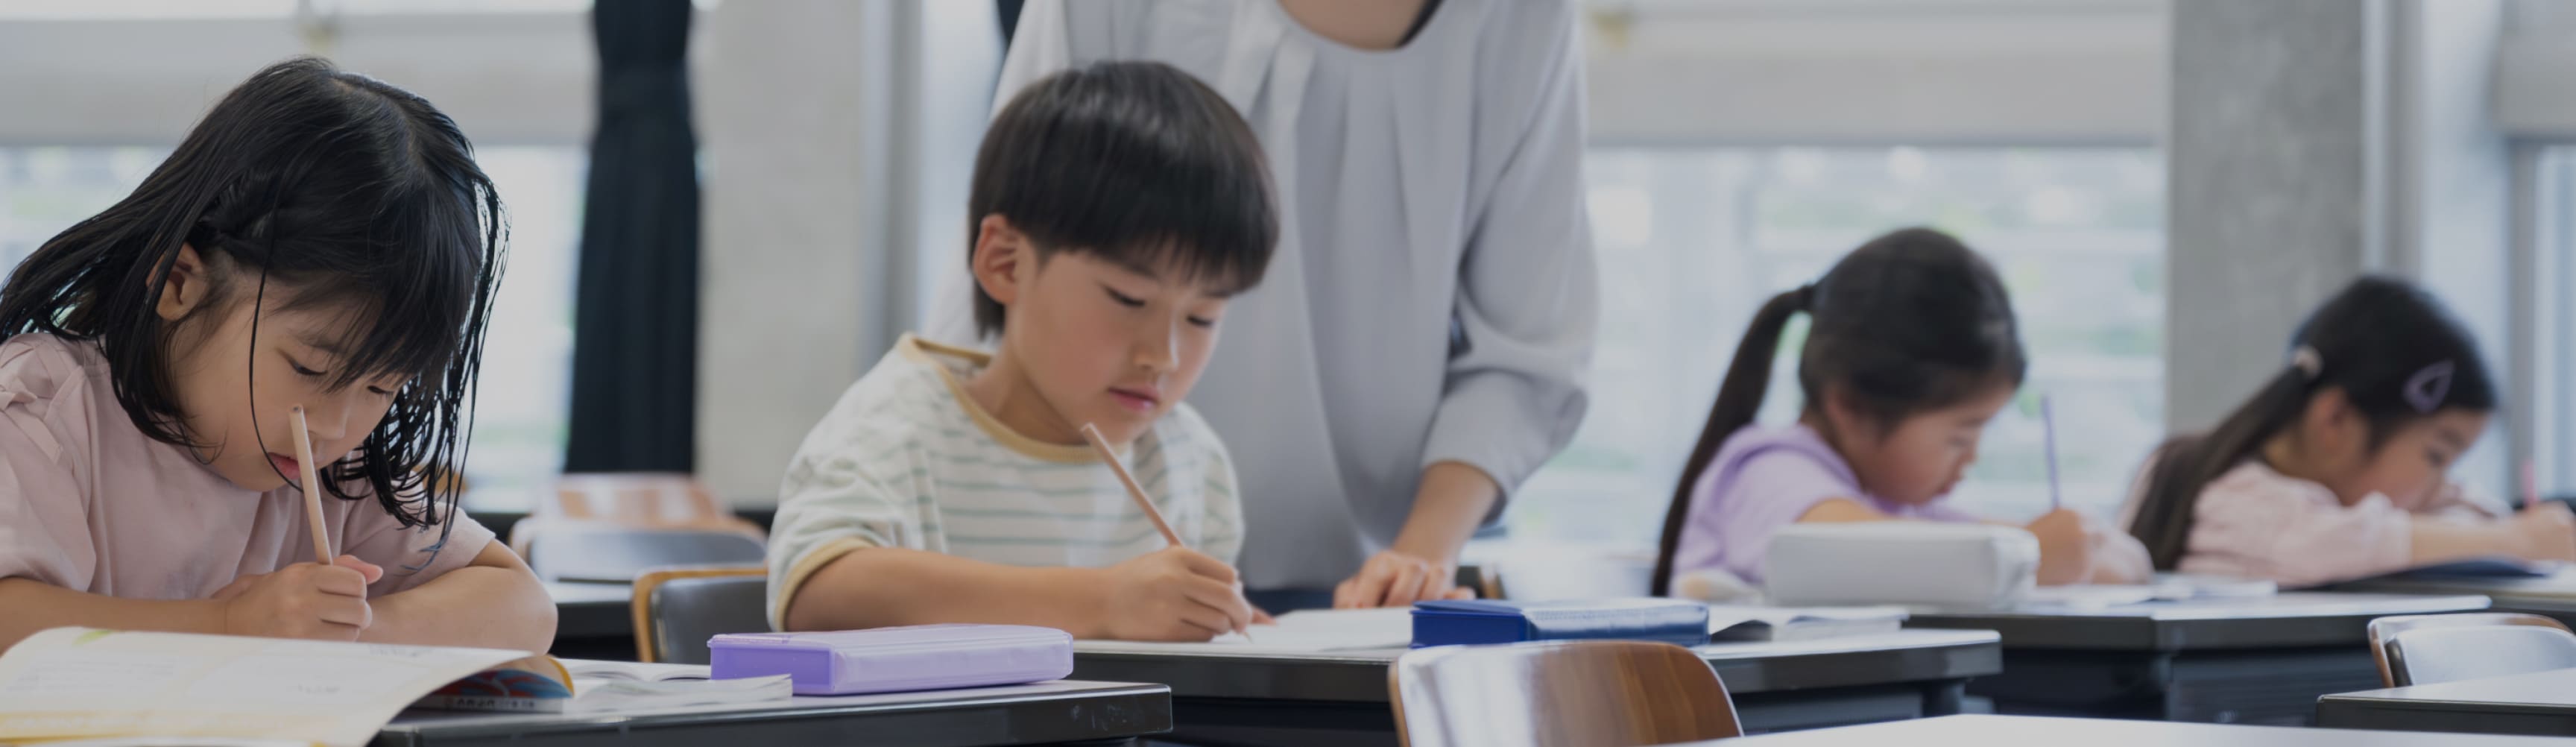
(1844, 415)
(1002, 259)
(2332, 427)
(185, 288)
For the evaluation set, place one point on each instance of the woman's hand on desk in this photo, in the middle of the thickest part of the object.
(1398, 579)
(1422, 563)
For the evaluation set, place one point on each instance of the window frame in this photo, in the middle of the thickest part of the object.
(1690, 406)
(2543, 219)
(510, 79)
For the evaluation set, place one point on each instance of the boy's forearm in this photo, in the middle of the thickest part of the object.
(28, 606)
(879, 587)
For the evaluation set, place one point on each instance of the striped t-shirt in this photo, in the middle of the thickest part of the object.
(907, 460)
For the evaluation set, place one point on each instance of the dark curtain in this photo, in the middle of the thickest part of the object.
(1009, 12)
(635, 331)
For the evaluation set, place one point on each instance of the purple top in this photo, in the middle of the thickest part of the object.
(1762, 479)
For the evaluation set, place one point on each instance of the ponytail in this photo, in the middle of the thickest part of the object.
(1739, 398)
(2393, 350)
(1910, 321)
(2184, 465)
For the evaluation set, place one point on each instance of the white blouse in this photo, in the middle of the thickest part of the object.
(1433, 297)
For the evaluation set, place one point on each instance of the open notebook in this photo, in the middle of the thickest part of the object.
(1326, 631)
(1303, 631)
(74, 683)
(2168, 587)
(2473, 569)
(1732, 623)
(82, 683)
(544, 684)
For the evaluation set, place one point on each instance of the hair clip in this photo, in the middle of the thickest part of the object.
(2308, 362)
(2426, 389)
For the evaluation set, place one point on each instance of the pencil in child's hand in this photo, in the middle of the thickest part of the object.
(312, 489)
(1100, 444)
(1134, 491)
(2048, 428)
(2530, 486)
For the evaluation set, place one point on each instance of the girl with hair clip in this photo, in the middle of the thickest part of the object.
(2334, 470)
(1912, 349)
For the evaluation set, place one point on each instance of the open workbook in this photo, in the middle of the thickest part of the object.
(79, 683)
(1327, 631)
(1738, 623)
(547, 685)
(1300, 632)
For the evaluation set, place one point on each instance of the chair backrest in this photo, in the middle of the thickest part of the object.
(1605, 693)
(565, 551)
(640, 499)
(678, 609)
(2429, 649)
(1487, 580)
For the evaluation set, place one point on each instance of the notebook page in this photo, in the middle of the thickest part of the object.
(1303, 631)
(71, 683)
(633, 671)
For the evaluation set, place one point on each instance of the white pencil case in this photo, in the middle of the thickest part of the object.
(1916, 563)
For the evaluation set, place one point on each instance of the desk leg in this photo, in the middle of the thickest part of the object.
(2257, 686)
(1765, 713)
(1243, 722)
(1945, 698)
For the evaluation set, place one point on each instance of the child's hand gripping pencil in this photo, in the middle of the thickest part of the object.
(1137, 492)
(326, 600)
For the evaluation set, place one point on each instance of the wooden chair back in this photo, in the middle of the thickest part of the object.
(1604, 693)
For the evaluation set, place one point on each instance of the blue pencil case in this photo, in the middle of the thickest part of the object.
(1449, 623)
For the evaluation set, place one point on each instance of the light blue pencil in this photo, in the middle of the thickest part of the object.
(2048, 428)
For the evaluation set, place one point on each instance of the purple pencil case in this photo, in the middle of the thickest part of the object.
(904, 659)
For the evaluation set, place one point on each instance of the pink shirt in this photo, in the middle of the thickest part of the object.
(2253, 522)
(90, 503)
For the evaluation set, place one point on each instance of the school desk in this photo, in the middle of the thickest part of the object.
(2553, 596)
(2536, 703)
(2260, 660)
(593, 620)
(1043, 713)
(2013, 731)
(1341, 697)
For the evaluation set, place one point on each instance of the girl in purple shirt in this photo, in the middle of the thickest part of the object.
(1911, 349)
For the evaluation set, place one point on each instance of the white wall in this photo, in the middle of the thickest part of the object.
(506, 78)
(2453, 206)
(839, 147)
(1877, 71)
(796, 92)
(2535, 71)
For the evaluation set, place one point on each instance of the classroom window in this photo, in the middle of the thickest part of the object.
(2554, 250)
(1692, 240)
(519, 424)
(165, 9)
(524, 400)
